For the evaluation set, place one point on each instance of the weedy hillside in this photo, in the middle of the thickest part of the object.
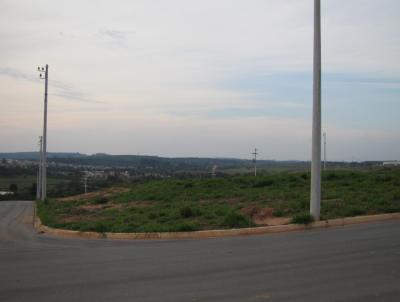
(228, 202)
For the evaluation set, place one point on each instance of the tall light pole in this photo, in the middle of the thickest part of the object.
(315, 200)
(324, 151)
(39, 178)
(44, 70)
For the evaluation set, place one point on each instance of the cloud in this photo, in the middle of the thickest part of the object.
(199, 63)
(115, 37)
(72, 94)
(60, 88)
(18, 75)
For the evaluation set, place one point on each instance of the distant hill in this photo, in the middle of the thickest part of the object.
(137, 161)
(142, 164)
(143, 161)
(35, 155)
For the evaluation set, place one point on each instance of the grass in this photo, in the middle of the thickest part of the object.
(220, 203)
(25, 181)
(302, 218)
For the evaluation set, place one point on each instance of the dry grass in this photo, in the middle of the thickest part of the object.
(109, 192)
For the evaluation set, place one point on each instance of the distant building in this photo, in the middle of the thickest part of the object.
(391, 163)
(125, 174)
(3, 193)
(95, 174)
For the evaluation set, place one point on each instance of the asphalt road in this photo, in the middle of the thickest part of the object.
(355, 263)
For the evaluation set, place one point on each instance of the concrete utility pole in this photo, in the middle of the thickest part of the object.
(85, 179)
(324, 151)
(315, 200)
(255, 161)
(44, 152)
(39, 178)
(214, 171)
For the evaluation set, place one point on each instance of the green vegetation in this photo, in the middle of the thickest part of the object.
(302, 218)
(22, 181)
(24, 186)
(237, 220)
(228, 202)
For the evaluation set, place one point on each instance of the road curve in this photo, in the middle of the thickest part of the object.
(355, 263)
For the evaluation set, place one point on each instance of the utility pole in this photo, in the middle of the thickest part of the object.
(85, 178)
(315, 199)
(324, 151)
(255, 161)
(214, 171)
(44, 152)
(39, 178)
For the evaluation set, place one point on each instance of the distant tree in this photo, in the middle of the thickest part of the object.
(33, 189)
(13, 188)
(4, 161)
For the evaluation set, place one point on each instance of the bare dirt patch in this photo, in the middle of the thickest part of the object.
(93, 207)
(138, 204)
(229, 201)
(264, 216)
(72, 219)
(125, 205)
(103, 193)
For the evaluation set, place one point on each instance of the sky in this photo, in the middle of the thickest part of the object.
(210, 78)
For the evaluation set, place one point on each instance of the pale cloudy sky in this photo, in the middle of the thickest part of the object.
(200, 78)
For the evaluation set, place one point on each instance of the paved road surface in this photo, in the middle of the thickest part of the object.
(355, 263)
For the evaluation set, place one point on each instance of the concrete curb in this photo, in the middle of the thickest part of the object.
(214, 233)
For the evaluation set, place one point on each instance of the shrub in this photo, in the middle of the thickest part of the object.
(278, 213)
(331, 176)
(236, 220)
(100, 200)
(303, 218)
(162, 214)
(305, 176)
(355, 211)
(187, 227)
(263, 183)
(152, 215)
(391, 209)
(187, 212)
(45, 212)
(101, 227)
(13, 188)
(243, 182)
(220, 212)
(383, 178)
